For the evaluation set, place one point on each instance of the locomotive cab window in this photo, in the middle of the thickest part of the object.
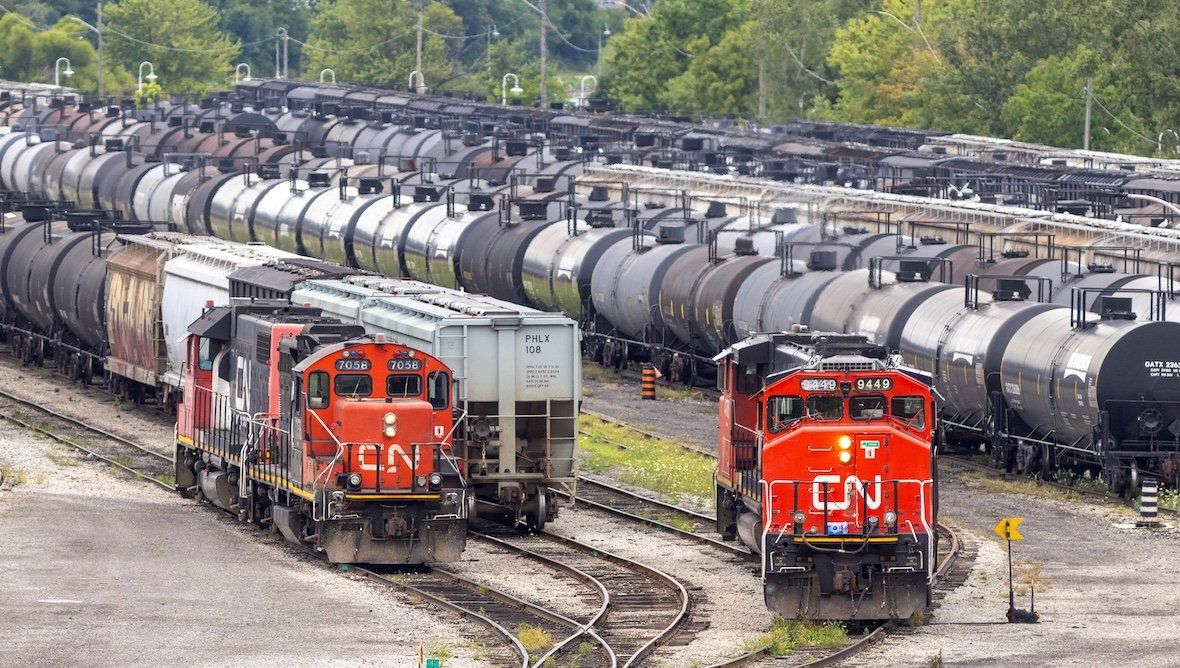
(205, 355)
(403, 385)
(353, 385)
(781, 412)
(910, 410)
(869, 407)
(820, 407)
(318, 390)
(439, 389)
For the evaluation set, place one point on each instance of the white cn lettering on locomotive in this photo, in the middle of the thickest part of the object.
(393, 453)
(841, 496)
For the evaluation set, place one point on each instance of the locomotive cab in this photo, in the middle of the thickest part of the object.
(826, 470)
(339, 440)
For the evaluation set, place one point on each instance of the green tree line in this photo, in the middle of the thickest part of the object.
(1009, 68)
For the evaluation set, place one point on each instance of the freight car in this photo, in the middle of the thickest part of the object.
(339, 440)
(826, 469)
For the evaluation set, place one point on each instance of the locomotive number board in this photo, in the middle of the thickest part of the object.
(883, 384)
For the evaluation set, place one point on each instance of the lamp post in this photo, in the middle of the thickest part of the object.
(421, 82)
(516, 89)
(598, 61)
(238, 73)
(328, 70)
(150, 77)
(494, 33)
(582, 96)
(57, 71)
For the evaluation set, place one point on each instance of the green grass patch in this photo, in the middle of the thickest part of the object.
(1169, 498)
(61, 458)
(533, 638)
(1026, 486)
(12, 476)
(788, 635)
(167, 479)
(655, 464)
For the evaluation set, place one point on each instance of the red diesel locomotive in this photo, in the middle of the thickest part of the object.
(339, 440)
(826, 469)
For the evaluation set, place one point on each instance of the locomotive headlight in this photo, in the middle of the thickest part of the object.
(436, 480)
(890, 518)
(844, 456)
(354, 481)
(844, 442)
(390, 419)
(799, 517)
(421, 481)
(390, 431)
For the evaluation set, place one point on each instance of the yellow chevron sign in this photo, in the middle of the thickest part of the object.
(1007, 528)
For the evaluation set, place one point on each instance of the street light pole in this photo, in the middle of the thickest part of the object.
(598, 60)
(516, 89)
(57, 71)
(98, 13)
(150, 77)
(418, 60)
(544, 55)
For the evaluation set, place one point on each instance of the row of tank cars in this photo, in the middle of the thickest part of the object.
(464, 199)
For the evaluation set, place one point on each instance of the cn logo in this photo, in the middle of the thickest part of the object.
(841, 495)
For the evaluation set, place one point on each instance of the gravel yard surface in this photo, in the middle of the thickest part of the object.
(728, 592)
(685, 416)
(101, 570)
(143, 424)
(1109, 598)
(526, 579)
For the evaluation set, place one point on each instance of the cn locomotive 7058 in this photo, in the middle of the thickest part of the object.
(826, 469)
(340, 440)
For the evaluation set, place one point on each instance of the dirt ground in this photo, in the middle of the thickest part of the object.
(101, 570)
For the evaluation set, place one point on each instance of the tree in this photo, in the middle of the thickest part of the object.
(374, 41)
(179, 37)
(29, 55)
(651, 52)
(720, 80)
(255, 24)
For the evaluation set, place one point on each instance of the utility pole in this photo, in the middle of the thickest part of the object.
(544, 55)
(419, 88)
(1089, 101)
(101, 90)
(761, 70)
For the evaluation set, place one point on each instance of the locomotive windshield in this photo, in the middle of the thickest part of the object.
(403, 385)
(870, 407)
(784, 410)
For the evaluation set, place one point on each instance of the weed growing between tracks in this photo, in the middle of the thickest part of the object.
(1169, 498)
(533, 638)
(788, 635)
(650, 463)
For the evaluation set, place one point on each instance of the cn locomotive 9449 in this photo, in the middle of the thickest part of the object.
(826, 469)
(339, 440)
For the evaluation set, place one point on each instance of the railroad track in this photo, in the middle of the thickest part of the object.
(643, 607)
(94, 442)
(668, 517)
